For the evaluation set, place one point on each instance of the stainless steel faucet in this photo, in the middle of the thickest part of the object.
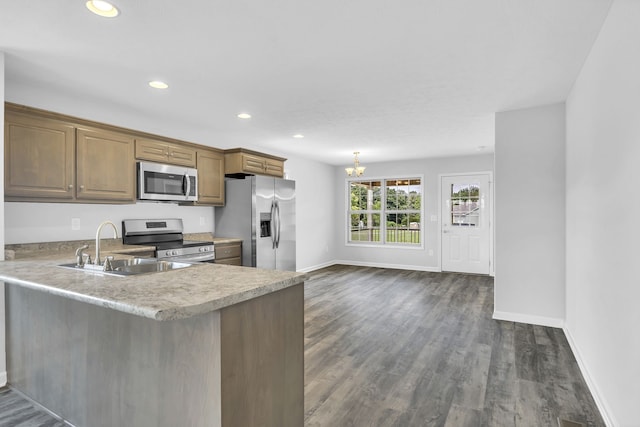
(115, 236)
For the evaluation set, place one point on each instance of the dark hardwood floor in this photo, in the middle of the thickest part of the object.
(406, 348)
(16, 411)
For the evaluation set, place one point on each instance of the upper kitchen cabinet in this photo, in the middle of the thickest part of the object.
(210, 164)
(50, 157)
(164, 152)
(105, 166)
(39, 157)
(239, 161)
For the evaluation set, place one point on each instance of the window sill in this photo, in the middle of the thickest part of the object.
(385, 246)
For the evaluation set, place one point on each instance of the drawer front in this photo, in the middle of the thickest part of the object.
(230, 261)
(227, 251)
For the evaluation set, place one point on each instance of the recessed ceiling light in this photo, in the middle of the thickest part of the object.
(157, 84)
(298, 136)
(244, 116)
(102, 8)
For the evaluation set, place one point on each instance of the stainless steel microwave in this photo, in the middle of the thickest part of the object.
(167, 182)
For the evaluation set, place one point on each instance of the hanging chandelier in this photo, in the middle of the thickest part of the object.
(356, 170)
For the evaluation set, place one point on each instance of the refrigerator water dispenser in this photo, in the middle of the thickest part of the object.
(265, 224)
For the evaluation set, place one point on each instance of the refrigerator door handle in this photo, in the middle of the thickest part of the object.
(272, 225)
(279, 224)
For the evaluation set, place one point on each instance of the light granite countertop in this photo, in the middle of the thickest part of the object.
(168, 295)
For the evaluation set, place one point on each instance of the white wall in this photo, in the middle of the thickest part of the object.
(603, 154)
(418, 259)
(530, 215)
(315, 222)
(3, 364)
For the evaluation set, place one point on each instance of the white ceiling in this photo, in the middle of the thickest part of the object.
(391, 79)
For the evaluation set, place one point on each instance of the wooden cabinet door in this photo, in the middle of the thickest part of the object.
(39, 157)
(148, 149)
(182, 155)
(163, 152)
(105, 166)
(241, 161)
(210, 178)
(253, 164)
(274, 168)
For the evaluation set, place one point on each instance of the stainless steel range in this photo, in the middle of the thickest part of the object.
(166, 235)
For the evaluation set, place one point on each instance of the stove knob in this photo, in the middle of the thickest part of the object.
(168, 253)
(174, 253)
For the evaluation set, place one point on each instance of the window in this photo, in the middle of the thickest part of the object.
(385, 211)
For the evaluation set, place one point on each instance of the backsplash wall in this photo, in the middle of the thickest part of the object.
(52, 222)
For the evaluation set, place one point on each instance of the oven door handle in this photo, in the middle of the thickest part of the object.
(205, 257)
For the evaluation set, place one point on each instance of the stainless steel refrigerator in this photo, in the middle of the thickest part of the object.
(262, 211)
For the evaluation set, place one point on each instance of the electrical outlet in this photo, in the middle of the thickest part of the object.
(202, 221)
(430, 252)
(75, 224)
(434, 218)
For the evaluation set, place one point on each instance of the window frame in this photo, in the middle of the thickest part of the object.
(383, 213)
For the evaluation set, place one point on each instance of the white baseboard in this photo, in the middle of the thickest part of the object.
(530, 319)
(591, 384)
(393, 266)
(3, 379)
(316, 267)
(369, 264)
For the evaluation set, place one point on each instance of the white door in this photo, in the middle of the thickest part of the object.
(465, 223)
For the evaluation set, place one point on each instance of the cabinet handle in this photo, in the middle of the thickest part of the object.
(70, 186)
(81, 187)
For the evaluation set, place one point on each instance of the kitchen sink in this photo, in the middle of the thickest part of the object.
(131, 267)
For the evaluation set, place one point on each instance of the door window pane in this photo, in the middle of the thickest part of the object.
(465, 205)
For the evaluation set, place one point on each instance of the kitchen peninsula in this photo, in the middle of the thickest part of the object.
(207, 345)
